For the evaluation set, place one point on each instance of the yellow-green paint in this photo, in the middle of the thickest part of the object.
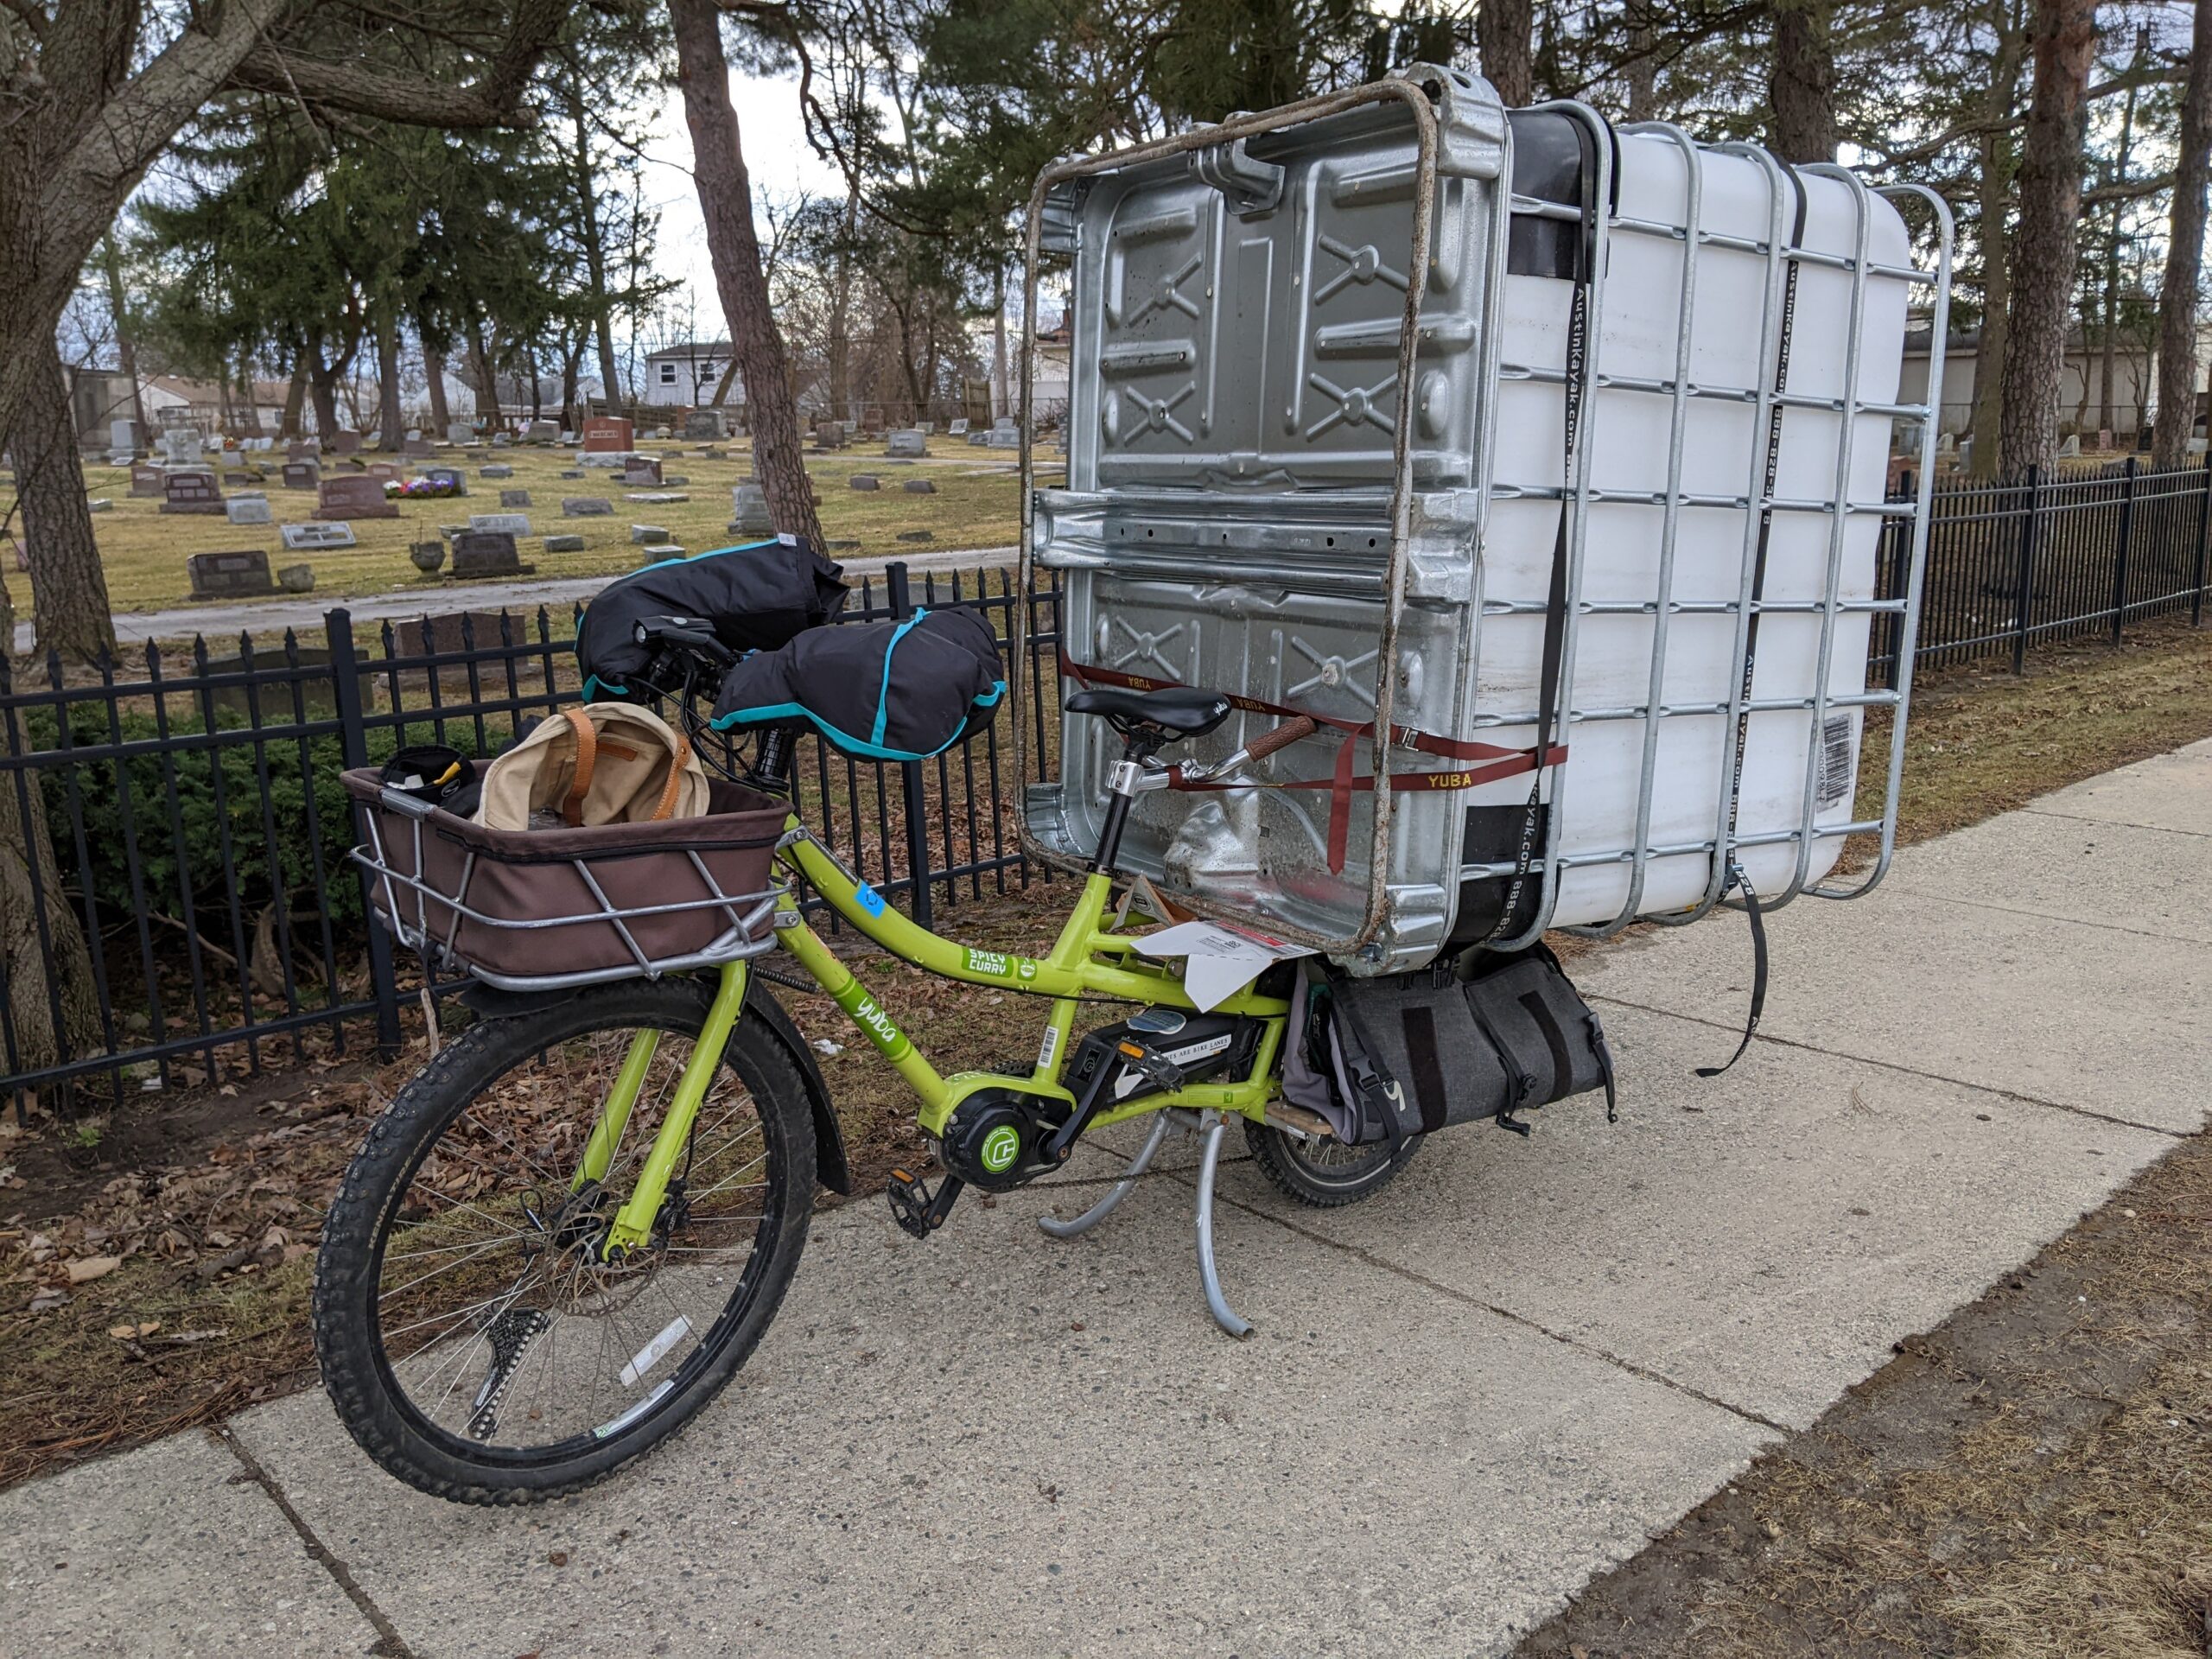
(614, 1114)
(634, 1224)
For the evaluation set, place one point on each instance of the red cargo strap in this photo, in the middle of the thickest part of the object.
(1490, 761)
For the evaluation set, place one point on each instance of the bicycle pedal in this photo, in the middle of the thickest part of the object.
(915, 1208)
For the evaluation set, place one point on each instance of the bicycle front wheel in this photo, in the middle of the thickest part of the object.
(478, 1336)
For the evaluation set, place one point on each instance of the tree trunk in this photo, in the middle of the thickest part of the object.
(433, 370)
(1802, 92)
(295, 403)
(2184, 258)
(2044, 251)
(1503, 39)
(2107, 387)
(1987, 458)
(126, 348)
(725, 203)
(572, 357)
(488, 387)
(52, 998)
(1642, 69)
(390, 421)
(252, 396)
(841, 314)
(587, 187)
(69, 603)
(322, 389)
(1001, 384)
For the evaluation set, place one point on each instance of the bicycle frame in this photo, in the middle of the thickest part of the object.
(1086, 960)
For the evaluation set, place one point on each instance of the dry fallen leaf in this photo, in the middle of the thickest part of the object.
(86, 1268)
(127, 1333)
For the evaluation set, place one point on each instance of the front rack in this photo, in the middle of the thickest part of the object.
(437, 941)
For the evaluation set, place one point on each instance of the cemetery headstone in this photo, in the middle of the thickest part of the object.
(607, 434)
(564, 544)
(415, 447)
(99, 504)
(830, 434)
(243, 475)
(705, 425)
(514, 498)
(354, 497)
(451, 476)
(146, 482)
(460, 432)
(648, 535)
(864, 481)
(642, 471)
(309, 538)
(925, 428)
(920, 486)
(507, 524)
(486, 553)
(906, 445)
(191, 493)
(345, 443)
(300, 476)
(249, 509)
(495, 469)
(542, 432)
(303, 449)
(658, 497)
(122, 435)
(572, 472)
(181, 446)
(382, 471)
(502, 440)
(242, 574)
(296, 578)
(958, 428)
(587, 506)
(918, 536)
(2071, 448)
(749, 514)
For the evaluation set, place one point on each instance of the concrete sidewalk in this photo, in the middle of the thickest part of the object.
(1464, 1399)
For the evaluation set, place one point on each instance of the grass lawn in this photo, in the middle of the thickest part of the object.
(975, 504)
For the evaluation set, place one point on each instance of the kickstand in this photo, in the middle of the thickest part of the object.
(1223, 1315)
(1211, 1126)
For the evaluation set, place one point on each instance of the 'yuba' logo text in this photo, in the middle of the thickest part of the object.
(877, 1023)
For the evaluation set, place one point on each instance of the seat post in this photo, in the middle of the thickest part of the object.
(1121, 790)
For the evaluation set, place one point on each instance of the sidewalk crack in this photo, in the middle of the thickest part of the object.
(389, 1643)
(2118, 824)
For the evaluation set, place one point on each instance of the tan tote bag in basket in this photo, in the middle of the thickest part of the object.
(607, 763)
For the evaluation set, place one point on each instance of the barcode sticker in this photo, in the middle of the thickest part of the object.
(1836, 770)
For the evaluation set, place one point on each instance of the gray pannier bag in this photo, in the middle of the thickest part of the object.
(1407, 1054)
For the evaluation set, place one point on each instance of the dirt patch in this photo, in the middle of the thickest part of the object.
(2032, 1478)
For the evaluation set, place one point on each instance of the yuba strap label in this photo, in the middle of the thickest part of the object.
(1487, 762)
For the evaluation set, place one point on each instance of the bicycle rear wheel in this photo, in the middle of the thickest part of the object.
(475, 1335)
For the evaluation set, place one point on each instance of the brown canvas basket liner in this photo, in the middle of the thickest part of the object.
(531, 875)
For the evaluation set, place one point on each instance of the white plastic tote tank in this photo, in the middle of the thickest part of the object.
(1235, 394)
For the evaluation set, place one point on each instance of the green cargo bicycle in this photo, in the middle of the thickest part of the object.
(570, 1228)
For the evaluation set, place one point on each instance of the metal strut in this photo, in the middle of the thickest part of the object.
(1211, 1125)
(1105, 1206)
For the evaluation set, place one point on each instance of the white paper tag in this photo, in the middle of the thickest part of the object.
(1219, 961)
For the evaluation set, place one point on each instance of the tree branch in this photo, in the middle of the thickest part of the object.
(361, 91)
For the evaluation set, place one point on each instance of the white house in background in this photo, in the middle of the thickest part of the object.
(684, 374)
(2135, 381)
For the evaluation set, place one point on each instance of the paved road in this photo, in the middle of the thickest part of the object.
(271, 615)
(1465, 1397)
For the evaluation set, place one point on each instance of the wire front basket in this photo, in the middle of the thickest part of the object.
(554, 909)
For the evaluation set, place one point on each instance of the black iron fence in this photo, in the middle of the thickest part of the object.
(2051, 557)
(186, 913)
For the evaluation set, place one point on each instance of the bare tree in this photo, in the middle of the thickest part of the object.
(2044, 253)
(93, 97)
(726, 204)
(2184, 257)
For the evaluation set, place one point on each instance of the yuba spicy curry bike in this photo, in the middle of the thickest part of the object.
(570, 1228)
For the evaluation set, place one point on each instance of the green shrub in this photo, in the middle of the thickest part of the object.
(274, 843)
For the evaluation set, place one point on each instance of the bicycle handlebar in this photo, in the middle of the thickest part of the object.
(1282, 737)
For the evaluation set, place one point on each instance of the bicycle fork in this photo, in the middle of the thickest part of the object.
(634, 1224)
